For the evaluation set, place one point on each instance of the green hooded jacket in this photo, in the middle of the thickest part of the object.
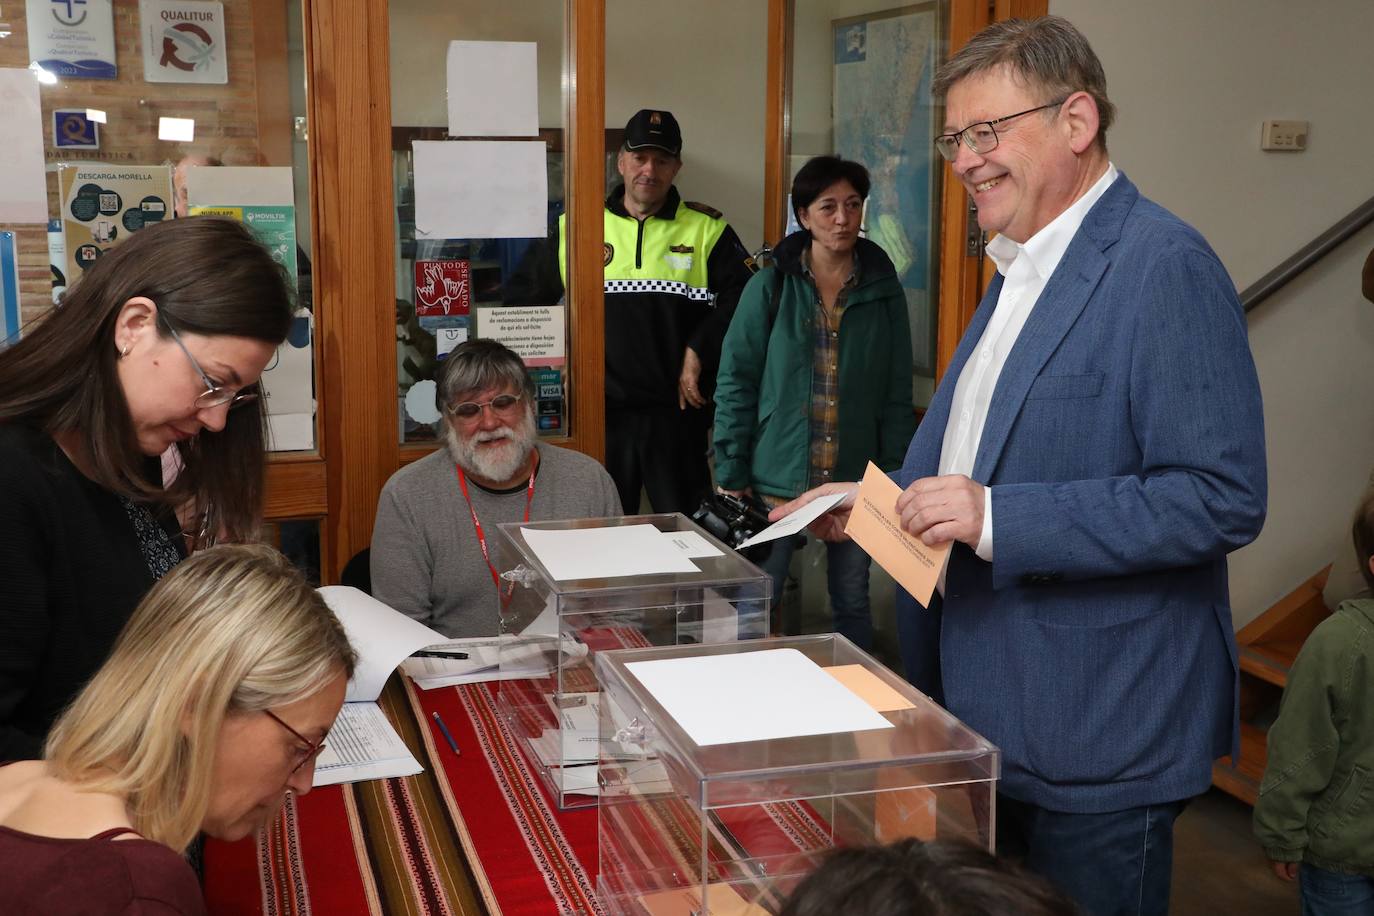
(763, 391)
(1316, 803)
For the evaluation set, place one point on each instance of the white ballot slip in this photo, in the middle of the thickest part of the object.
(797, 521)
(754, 696)
(692, 544)
(381, 636)
(363, 745)
(606, 553)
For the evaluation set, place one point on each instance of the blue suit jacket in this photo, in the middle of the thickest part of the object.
(1124, 446)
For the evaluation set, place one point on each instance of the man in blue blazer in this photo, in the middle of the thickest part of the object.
(1095, 451)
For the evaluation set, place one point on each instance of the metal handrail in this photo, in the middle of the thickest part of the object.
(1308, 255)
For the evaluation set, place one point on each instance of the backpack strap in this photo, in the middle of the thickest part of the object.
(775, 303)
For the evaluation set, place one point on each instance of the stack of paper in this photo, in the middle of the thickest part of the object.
(523, 658)
(363, 745)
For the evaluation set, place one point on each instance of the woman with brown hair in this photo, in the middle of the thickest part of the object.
(213, 705)
(160, 344)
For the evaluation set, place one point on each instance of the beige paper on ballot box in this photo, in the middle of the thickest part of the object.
(876, 527)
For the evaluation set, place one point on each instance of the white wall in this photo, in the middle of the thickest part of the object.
(704, 61)
(1192, 82)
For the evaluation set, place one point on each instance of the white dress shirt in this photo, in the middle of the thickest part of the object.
(1026, 268)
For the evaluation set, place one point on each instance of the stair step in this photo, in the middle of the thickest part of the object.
(1266, 663)
(1243, 781)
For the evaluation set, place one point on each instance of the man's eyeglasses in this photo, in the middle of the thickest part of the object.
(981, 137)
(303, 756)
(502, 404)
(213, 395)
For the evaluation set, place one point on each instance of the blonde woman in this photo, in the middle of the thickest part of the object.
(213, 705)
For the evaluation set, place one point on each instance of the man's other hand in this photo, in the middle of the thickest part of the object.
(688, 381)
(830, 526)
(940, 509)
(1287, 871)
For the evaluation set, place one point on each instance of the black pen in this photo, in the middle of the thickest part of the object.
(453, 745)
(435, 653)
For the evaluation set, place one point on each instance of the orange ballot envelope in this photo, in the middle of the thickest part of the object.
(875, 526)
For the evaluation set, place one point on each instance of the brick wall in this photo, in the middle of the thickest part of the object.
(227, 117)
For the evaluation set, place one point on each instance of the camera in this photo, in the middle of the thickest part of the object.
(734, 520)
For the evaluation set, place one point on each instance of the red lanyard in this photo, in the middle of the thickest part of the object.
(482, 538)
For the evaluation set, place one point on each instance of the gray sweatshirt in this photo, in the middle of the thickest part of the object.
(426, 560)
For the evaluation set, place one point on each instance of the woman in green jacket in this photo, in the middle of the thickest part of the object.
(815, 373)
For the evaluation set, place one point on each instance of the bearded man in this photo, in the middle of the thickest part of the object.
(437, 518)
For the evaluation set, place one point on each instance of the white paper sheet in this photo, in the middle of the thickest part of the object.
(381, 636)
(528, 658)
(291, 432)
(606, 553)
(579, 779)
(692, 544)
(480, 189)
(23, 186)
(493, 89)
(754, 696)
(240, 186)
(797, 521)
(363, 745)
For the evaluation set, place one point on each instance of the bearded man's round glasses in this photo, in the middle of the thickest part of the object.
(502, 404)
(981, 137)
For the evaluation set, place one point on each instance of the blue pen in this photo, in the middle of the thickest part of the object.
(453, 745)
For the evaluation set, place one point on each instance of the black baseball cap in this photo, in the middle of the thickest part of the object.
(654, 129)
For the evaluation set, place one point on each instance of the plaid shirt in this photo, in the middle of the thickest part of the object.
(825, 375)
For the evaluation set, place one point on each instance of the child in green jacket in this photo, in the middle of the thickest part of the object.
(1316, 803)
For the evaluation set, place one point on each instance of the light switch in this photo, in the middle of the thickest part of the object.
(1284, 135)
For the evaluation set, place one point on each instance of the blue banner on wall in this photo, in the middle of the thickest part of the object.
(9, 289)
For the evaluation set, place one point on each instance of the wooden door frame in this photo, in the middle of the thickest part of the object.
(347, 50)
(962, 274)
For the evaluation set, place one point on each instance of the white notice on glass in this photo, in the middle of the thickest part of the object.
(23, 186)
(363, 745)
(797, 521)
(754, 696)
(605, 553)
(481, 189)
(493, 89)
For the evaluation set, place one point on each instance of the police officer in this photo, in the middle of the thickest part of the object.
(674, 270)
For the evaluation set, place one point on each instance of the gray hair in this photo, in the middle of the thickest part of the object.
(477, 364)
(1047, 55)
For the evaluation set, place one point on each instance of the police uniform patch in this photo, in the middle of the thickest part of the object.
(681, 249)
(704, 208)
(607, 252)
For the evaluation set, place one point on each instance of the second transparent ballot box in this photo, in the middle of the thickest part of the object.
(728, 771)
(571, 589)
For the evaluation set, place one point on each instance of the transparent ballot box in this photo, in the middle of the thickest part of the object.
(570, 589)
(727, 771)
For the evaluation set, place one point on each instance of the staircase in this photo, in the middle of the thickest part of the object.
(1268, 645)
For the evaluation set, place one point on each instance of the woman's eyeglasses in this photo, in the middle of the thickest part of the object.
(313, 749)
(213, 395)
